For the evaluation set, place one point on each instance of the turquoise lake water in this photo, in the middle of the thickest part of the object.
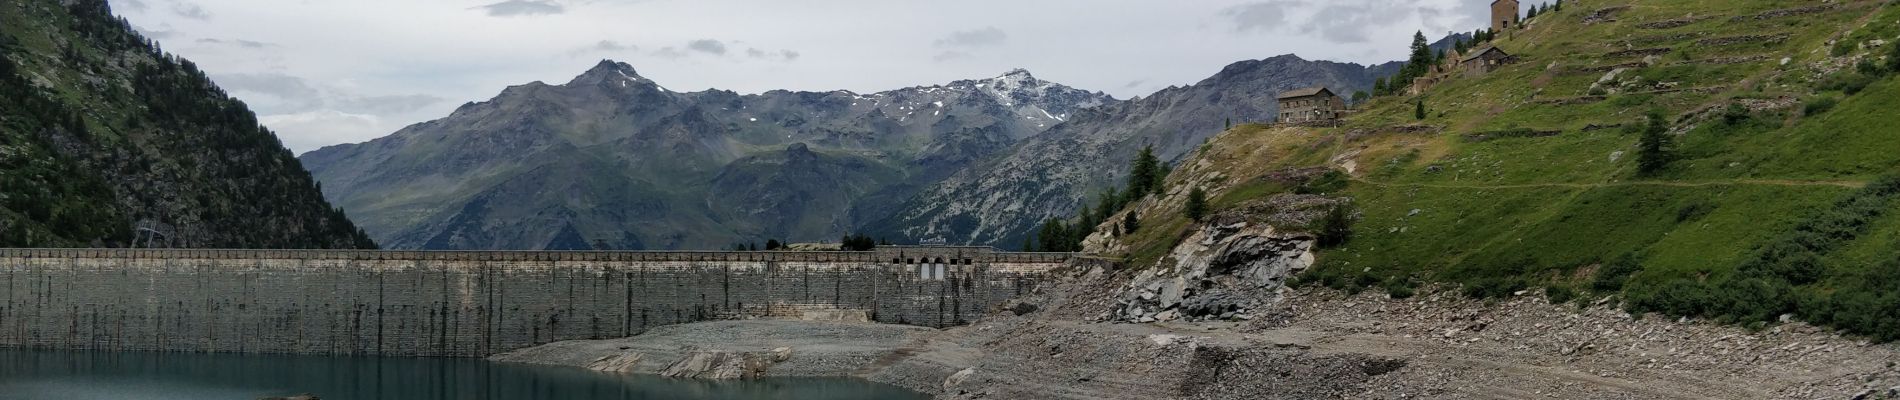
(66, 375)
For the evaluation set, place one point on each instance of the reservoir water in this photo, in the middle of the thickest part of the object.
(69, 375)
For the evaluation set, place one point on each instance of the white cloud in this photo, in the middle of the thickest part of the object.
(517, 8)
(307, 131)
(708, 46)
(974, 38)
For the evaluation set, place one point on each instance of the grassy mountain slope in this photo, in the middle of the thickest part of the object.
(1001, 200)
(1778, 196)
(107, 141)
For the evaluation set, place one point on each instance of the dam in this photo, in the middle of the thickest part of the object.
(470, 303)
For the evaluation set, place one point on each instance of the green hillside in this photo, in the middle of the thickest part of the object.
(106, 141)
(1774, 193)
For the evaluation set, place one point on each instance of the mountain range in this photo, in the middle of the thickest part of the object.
(612, 159)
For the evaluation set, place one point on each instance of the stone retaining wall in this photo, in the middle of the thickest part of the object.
(466, 304)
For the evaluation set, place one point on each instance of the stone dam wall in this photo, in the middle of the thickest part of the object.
(467, 304)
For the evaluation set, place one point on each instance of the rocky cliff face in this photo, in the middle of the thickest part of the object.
(1220, 272)
(106, 141)
(1052, 174)
(613, 159)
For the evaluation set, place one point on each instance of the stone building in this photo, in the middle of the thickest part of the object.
(1310, 105)
(1483, 61)
(1504, 15)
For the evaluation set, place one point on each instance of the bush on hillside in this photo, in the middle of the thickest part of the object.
(1560, 294)
(1611, 276)
(1331, 181)
(1789, 274)
(1846, 82)
(1735, 114)
(1893, 58)
(1336, 227)
(1819, 105)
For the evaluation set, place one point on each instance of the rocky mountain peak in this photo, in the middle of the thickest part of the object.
(610, 72)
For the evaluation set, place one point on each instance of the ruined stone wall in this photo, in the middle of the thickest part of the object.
(463, 304)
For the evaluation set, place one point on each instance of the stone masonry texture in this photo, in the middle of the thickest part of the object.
(467, 304)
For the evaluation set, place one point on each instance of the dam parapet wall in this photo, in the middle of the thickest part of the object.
(468, 303)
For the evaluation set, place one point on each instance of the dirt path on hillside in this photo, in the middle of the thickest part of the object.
(1729, 182)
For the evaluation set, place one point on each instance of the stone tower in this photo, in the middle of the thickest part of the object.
(1503, 14)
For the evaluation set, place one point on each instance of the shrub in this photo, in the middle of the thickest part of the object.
(1560, 294)
(1846, 82)
(1336, 227)
(1893, 58)
(1400, 288)
(1612, 275)
(1866, 66)
(1676, 297)
(1735, 114)
(1331, 181)
(1819, 105)
(1493, 287)
(1693, 211)
(1841, 48)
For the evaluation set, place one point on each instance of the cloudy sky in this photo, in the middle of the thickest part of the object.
(323, 72)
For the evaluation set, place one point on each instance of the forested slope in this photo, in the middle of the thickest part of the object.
(107, 141)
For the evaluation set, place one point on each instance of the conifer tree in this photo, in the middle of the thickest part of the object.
(1196, 204)
(1131, 223)
(1653, 150)
(1420, 113)
(1143, 174)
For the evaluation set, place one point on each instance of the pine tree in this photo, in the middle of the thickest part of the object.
(1196, 204)
(1143, 174)
(773, 244)
(1653, 150)
(1105, 204)
(1055, 236)
(1420, 112)
(1160, 183)
(1088, 221)
(1131, 223)
(1532, 13)
(1415, 66)
(1378, 87)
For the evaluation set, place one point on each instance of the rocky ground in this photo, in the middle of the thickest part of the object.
(1310, 344)
(733, 349)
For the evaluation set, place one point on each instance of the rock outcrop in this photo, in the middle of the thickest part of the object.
(1219, 272)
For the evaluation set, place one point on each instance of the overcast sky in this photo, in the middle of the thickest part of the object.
(324, 72)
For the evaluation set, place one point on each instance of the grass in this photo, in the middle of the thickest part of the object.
(1511, 214)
